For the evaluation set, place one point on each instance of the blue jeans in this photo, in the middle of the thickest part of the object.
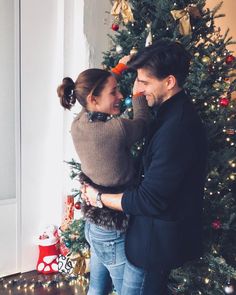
(138, 281)
(107, 262)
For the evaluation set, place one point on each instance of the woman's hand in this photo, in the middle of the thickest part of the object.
(125, 59)
(137, 88)
(89, 195)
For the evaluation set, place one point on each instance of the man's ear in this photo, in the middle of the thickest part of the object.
(171, 82)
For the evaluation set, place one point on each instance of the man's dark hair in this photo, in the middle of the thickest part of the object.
(163, 58)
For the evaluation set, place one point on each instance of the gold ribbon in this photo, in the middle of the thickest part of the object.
(80, 263)
(122, 7)
(183, 16)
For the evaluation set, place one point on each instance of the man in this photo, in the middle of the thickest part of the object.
(165, 228)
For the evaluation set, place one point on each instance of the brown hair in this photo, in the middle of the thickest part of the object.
(91, 81)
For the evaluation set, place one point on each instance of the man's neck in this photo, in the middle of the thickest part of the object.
(172, 92)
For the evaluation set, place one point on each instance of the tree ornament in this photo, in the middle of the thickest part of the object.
(133, 51)
(128, 101)
(224, 101)
(77, 205)
(230, 58)
(68, 243)
(115, 26)
(229, 288)
(183, 16)
(119, 49)
(149, 36)
(230, 131)
(123, 9)
(216, 224)
(216, 86)
(206, 59)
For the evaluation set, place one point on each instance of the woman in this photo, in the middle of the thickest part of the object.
(102, 141)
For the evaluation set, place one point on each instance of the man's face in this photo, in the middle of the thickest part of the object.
(155, 90)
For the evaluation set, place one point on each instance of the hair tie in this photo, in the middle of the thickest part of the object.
(71, 94)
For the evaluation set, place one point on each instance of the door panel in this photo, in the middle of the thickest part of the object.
(9, 135)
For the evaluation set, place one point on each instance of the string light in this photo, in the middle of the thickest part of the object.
(59, 281)
(207, 280)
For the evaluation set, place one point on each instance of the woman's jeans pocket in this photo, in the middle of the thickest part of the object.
(108, 245)
(106, 251)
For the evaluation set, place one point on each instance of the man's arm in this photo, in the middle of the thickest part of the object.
(162, 179)
(112, 201)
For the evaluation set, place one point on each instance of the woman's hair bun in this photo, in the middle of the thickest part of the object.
(65, 92)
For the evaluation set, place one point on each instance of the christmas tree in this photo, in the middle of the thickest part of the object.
(210, 83)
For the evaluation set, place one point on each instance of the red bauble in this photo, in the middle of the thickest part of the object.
(216, 224)
(115, 27)
(77, 205)
(230, 58)
(224, 101)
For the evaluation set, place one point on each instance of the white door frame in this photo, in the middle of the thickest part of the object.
(17, 4)
(10, 207)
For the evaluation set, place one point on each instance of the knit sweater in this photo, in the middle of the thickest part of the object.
(104, 147)
(106, 161)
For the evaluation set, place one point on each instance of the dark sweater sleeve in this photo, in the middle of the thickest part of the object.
(171, 159)
(136, 128)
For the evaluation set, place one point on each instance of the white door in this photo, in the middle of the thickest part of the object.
(9, 137)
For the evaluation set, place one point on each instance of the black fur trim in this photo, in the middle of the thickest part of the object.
(105, 217)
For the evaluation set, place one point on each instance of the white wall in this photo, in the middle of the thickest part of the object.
(41, 121)
(228, 22)
(45, 61)
(54, 43)
(97, 24)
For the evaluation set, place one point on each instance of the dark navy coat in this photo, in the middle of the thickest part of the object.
(165, 227)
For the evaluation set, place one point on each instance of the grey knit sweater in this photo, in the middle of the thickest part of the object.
(104, 147)
(104, 151)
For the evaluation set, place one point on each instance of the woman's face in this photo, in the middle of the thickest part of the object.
(109, 99)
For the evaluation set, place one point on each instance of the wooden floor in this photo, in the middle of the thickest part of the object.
(32, 283)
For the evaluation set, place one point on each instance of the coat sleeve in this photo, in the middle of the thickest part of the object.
(172, 156)
(136, 128)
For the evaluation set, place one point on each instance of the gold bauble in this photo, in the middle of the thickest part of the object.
(133, 51)
(206, 59)
(216, 86)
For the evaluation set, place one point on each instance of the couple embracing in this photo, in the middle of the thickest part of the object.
(139, 229)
